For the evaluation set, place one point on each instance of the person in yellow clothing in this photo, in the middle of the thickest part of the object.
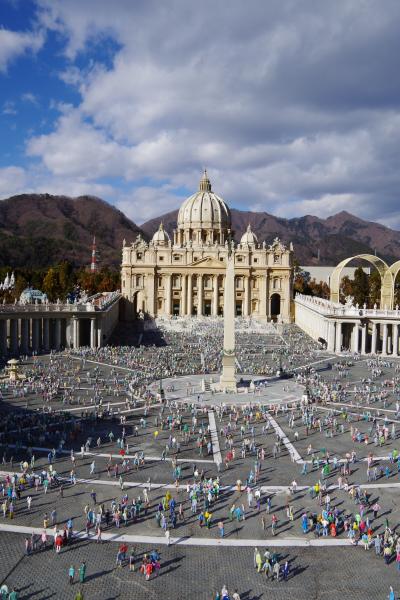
(207, 516)
(259, 561)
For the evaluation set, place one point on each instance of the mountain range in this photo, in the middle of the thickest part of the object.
(37, 230)
(316, 241)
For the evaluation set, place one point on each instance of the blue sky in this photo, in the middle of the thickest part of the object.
(292, 107)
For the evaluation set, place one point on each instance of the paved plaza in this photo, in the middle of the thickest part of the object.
(304, 466)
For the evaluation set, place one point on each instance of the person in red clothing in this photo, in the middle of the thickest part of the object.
(148, 570)
(58, 543)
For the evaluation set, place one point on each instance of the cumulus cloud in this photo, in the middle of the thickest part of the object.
(293, 107)
(16, 43)
(13, 180)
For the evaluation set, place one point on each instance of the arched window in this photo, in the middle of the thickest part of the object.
(239, 283)
(207, 281)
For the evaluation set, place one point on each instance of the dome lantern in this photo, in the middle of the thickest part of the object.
(205, 183)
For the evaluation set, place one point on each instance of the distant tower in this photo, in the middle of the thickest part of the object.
(93, 264)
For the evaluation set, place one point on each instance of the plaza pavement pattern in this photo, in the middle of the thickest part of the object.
(321, 569)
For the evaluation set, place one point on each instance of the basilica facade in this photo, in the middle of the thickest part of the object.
(185, 275)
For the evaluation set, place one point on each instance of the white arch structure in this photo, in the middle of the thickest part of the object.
(386, 273)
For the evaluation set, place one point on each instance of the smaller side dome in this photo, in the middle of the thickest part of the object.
(161, 237)
(249, 238)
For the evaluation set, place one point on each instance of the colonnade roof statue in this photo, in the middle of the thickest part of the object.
(8, 283)
(388, 277)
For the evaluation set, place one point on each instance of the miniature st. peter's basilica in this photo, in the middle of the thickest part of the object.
(185, 276)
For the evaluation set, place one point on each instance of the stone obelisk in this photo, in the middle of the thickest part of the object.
(228, 379)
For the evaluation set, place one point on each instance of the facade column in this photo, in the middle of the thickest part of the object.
(46, 334)
(331, 336)
(246, 310)
(374, 336)
(363, 339)
(215, 296)
(338, 345)
(99, 335)
(58, 333)
(385, 339)
(93, 336)
(189, 295)
(150, 286)
(3, 337)
(24, 347)
(199, 295)
(263, 295)
(355, 336)
(183, 296)
(168, 291)
(14, 336)
(395, 339)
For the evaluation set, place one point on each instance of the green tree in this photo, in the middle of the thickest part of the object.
(360, 285)
(51, 285)
(346, 288)
(375, 285)
(66, 278)
(320, 289)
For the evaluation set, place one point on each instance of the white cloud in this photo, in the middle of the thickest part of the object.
(30, 98)
(16, 43)
(146, 202)
(292, 106)
(13, 180)
(9, 108)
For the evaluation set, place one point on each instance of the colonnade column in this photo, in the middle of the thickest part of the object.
(35, 335)
(189, 295)
(215, 296)
(3, 337)
(24, 336)
(99, 335)
(338, 345)
(93, 332)
(363, 339)
(355, 336)
(331, 336)
(395, 339)
(199, 295)
(168, 308)
(183, 295)
(58, 333)
(14, 336)
(75, 332)
(46, 334)
(373, 341)
(385, 339)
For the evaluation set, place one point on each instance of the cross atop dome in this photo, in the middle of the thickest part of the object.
(205, 184)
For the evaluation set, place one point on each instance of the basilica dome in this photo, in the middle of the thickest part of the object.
(204, 210)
